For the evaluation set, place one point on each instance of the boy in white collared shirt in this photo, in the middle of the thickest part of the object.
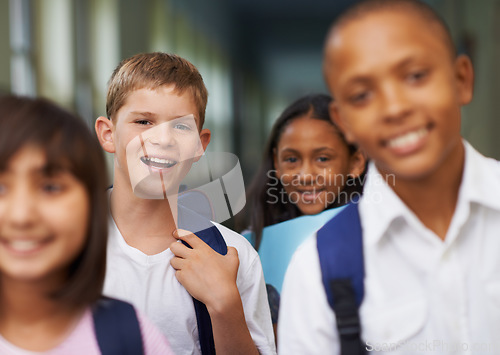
(430, 213)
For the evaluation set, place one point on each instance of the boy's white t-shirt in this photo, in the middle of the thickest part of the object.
(149, 283)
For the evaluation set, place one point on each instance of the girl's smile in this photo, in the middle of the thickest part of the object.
(24, 246)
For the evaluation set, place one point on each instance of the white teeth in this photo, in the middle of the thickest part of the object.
(407, 139)
(24, 245)
(161, 161)
(158, 162)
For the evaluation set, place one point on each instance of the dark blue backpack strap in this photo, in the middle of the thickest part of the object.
(340, 250)
(208, 232)
(212, 237)
(117, 328)
(273, 298)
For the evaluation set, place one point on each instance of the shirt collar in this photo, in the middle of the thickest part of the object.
(380, 206)
(481, 179)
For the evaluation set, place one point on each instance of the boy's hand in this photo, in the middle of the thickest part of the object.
(211, 278)
(207, 275)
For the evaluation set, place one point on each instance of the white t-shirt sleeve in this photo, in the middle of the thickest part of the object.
(256, 308)
(153, 340)
(306, 321)
(252, 288)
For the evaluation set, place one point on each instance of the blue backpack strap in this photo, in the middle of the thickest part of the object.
(208, 232)
(340, 250)
(117, 328)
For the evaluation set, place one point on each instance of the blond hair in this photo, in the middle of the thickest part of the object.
(151, 71)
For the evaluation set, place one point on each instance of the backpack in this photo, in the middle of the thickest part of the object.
(340, 251)
(117, 328)
(208, 232)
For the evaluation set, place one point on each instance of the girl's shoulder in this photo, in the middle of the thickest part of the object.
(79, 340)
(112, 318)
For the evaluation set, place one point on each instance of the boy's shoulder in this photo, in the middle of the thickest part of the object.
(492, 164)
(482, 176)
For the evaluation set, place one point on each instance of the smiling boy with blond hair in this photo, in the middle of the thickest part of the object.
(154, 127)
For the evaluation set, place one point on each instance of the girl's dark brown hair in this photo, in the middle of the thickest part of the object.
(69, 145)
(262, 213)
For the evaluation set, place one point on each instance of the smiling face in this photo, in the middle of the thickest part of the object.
(312, 162)
(155, 140)
(398, 91)
(43, 218)
(161, 156)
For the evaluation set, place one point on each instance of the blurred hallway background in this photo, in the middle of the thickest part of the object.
(256, 56)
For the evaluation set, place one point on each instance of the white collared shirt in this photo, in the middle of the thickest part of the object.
(422, 294)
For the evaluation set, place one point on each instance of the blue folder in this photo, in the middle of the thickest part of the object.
(279, 242)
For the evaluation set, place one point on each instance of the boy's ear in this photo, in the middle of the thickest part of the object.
(104, 131)
(357, 163)
(205, 136)
(339, 122)
(465, 78)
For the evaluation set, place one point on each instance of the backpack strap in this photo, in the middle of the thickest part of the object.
(208, 232)
(117, 328)
(340, 250)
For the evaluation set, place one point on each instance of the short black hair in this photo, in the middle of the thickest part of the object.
(69, 145)
(418, 7)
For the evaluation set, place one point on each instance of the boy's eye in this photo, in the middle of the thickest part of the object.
(182, 127)
(291, 159)
(143, 122)
(323, 159)
(359, 98)
(416, 76)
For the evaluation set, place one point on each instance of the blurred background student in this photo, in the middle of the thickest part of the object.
(307, 168)
(53, 232)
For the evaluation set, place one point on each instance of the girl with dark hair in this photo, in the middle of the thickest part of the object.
(307, 167)
(53, 232)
